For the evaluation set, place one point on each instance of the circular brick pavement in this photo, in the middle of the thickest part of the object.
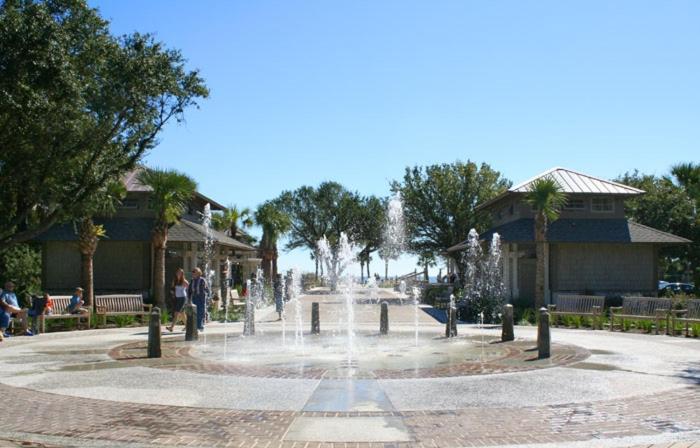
(515, 356)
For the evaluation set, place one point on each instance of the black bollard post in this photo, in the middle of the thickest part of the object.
(315, 319)
(543, 338)
(191, 333)
(451, 323)
(154, 334)
(384, 319)
(507, 332)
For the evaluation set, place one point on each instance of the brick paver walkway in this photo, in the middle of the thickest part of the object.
(86, 419)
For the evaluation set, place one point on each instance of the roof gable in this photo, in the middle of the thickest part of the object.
(573, 182)
(133, 184)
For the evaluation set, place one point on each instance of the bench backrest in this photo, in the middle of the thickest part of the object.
(60, 303)
(644, 306)
(693, 309)
(120, 302)
(574, 303)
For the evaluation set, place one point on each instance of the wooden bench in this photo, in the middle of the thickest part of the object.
(578, 305)
(235, 302)
(641, 308)
(60, 305)
(687, 316)
(121, 305)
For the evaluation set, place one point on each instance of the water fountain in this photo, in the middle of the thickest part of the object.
(415, 292)
(372, 290)
(337, 259)
(283, 315)
(355, 348)
(249, 320)
(295, 292)
(394, 235)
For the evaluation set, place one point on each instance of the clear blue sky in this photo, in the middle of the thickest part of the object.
(355, 91)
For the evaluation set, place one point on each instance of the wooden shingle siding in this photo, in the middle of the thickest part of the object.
(62, 266)
(602, 267)
(118, 266)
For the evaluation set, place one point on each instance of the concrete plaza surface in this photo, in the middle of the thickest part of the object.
(95, 388)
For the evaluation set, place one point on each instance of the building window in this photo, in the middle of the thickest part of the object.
(602, 205)
(575, 204)
(129, 204)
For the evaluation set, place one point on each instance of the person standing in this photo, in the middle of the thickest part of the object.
(197, 292)
(179, 292)
(279, 296)
(9, 308)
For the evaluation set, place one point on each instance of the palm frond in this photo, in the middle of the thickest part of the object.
(546, 197)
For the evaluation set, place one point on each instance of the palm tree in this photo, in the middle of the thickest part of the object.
(171, 193)
(232, 220)
(688, 177)
(103, 204)
(547, 199)
(274, 223)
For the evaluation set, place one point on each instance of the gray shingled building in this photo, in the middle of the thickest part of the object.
(123, 262)
(592, 247)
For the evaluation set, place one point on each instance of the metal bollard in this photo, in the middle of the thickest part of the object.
(154, 350)
(315, 319)
(507, 332)
(384, 319)
(544, 340)
(451, 324)
(191, 333)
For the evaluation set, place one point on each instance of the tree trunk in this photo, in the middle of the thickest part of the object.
(87, 279)
(362, 271)
(87, 242)
(540, 242)
(274, 263)
(386, 269)
(368, 274)
(316, 275)
(160, 240)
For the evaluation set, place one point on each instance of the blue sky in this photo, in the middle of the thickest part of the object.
(355, 91)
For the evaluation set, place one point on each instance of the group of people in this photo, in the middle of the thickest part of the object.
(196, 292)
(10, 309)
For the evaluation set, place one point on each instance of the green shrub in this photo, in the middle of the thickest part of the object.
(526, 316)
(695, 330)
(22, 264)
(644, 325)
(123, 321)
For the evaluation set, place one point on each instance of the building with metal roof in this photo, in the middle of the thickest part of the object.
(123, 262)
(591, 248)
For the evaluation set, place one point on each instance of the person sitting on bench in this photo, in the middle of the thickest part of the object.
(9, 308)
(41, 306)
(76, 303)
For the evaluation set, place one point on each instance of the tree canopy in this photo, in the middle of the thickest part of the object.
(78, 108)
(670, 204)
(439, 203)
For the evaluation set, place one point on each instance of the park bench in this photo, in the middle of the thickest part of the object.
(578, 305)
(641, 308)
(691, 314)
(60, 307)
(235, 302)
(120, 305)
